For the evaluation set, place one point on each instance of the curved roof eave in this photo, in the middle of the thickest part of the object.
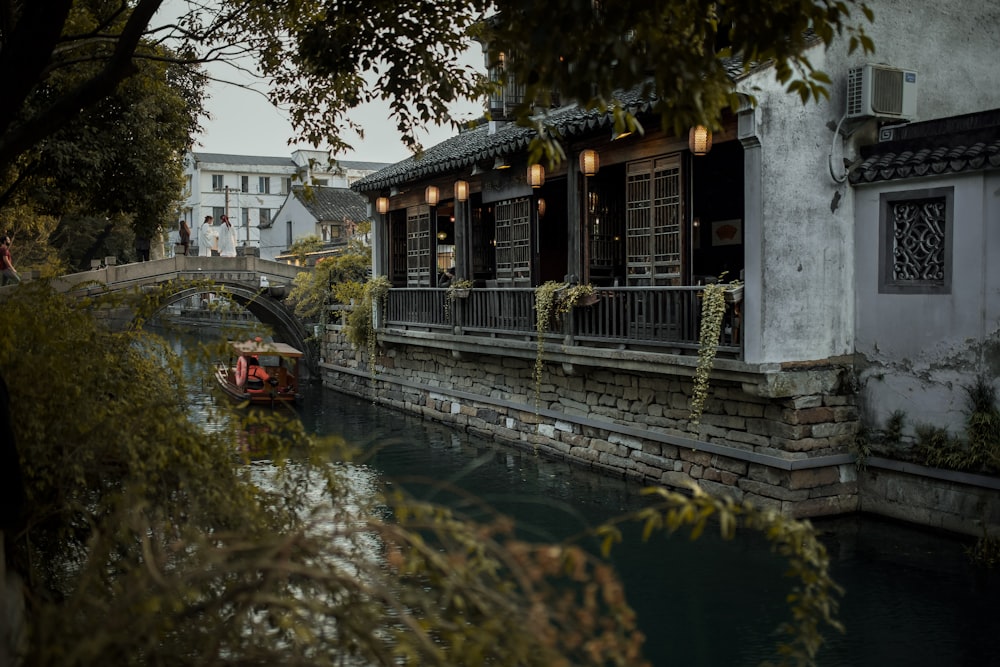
(479, 144)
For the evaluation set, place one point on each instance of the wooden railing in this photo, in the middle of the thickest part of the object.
(629, 317)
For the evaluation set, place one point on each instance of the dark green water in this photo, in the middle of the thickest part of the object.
(912, 597)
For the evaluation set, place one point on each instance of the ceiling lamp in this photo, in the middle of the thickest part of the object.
(590, 162)
(432, 195)
(700, 140)
(536, 175)
(382, 205)
(462, 190)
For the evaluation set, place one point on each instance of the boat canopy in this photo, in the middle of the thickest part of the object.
(257, 347)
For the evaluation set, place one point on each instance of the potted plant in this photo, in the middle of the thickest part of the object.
(458, 289)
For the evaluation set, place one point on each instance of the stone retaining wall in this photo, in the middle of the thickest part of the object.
(790, 452)
(954, 501)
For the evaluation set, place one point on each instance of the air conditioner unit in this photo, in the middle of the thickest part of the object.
(877, 91)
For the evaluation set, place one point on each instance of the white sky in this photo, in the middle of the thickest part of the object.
(245, 123)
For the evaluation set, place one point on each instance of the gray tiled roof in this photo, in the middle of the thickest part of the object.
(478, 144)
(226, 158)
(362, 166)
(949, 145)
(332, 204)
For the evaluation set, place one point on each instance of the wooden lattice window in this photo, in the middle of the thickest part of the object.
(513, 239)
(654, 209)
(916, 230)
(418, 247)
(397, 250)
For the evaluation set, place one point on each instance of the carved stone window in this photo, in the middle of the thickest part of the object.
(916, 239)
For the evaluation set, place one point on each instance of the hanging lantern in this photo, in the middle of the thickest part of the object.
(700, 140)
(536, 175)
(382, 205)
(432, 195)
(462, 190)
(541, 207)
(590, 162)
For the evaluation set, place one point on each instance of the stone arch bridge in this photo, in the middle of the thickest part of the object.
(259, 285)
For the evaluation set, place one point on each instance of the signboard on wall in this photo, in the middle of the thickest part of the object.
(505, 184)
(727, 232)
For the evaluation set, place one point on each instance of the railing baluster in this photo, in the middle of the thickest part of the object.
(646, 317)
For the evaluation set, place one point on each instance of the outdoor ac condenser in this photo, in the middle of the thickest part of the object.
(878, 91)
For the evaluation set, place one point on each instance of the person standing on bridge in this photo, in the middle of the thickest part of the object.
(185, 235)
(8, 275)
(227, 238)
(206, 238)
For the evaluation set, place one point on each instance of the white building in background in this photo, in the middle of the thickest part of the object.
(250, 189)
(331, 214)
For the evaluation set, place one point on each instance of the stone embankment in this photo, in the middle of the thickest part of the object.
(778, 437)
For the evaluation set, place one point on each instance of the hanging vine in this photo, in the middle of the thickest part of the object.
(374, 297)
(552, 301)
(713, 309)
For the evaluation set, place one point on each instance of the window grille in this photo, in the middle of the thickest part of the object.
(916, 230)
(513, 242)
(418, 247)
(653, 214)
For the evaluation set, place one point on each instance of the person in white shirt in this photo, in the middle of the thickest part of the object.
(227, 238)
(207, 237)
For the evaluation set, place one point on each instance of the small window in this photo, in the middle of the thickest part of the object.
(217, 213)
(217, 182)
(244, 184)
(265, 217)
(287, 185)
(264, 185)
(915, 229)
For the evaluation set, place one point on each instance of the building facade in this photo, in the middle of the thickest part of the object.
(331, 214)
(251, 189)
(841, 317)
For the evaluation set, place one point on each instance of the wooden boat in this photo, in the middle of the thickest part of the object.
(260, 372)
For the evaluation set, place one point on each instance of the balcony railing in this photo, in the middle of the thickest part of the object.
(655, 318)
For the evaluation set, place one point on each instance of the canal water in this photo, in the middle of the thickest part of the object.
(912, 597)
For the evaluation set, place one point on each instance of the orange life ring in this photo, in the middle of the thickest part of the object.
(241, 371)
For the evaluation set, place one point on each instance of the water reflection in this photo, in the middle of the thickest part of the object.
(912, 597)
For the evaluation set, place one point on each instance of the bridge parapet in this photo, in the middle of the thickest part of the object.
(241, 277)
(244, 270)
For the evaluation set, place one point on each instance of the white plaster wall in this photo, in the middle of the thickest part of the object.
(203, 199)
(922, 350)
(803, 271)
(274, 239)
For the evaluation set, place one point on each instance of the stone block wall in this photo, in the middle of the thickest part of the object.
(790, 453)
(953, 501)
